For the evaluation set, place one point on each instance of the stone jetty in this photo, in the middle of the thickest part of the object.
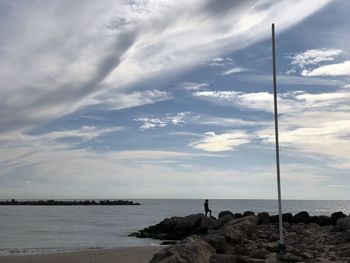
(68, 203)
(244, 238)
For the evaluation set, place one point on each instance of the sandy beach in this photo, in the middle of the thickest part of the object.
(115, 255)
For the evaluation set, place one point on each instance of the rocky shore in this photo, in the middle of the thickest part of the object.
(79, 202)
(244, 238)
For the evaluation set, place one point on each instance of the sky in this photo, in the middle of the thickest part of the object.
(173, 99)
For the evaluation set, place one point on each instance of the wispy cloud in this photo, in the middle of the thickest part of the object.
(220, 62)
(228, 141)
(339, 69)
(168, 119)
(288, 102)
(314, 56)
(229, 122)
(117, 101)
(233, 71)
(193, 85)
(84, 133)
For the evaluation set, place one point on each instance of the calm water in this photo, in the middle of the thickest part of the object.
(42, 229)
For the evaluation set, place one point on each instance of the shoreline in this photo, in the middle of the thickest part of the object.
(137, 254)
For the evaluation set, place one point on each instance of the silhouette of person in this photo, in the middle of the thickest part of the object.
(206, 208)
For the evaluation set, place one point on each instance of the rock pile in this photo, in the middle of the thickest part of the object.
(252, 238)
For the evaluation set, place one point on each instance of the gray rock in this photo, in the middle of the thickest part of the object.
(271, 258)
(222, 258)
(248, 213)
(190, 250)
(343, 224)
(225, 213)
(223, 220)
(259, 253)
(263, 218)
(302, 217)
(273, 237)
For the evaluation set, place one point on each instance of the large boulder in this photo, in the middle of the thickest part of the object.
(288, 217)
(325, 221)
(263, 218)
(343, 224)
(191, 250)
(223, 220)
(248, 213)
(302, 217)
(234, 233)
(225, 213)
(223, 258)
(337, 215)
(177, 228)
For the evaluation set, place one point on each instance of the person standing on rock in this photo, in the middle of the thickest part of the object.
(206, 208)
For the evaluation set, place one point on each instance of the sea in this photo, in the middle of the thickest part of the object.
(46, 229)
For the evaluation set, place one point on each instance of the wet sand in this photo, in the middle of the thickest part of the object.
(115, 255)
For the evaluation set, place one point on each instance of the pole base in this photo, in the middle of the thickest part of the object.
(281, 249)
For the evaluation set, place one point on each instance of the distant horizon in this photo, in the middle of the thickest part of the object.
(128, 199)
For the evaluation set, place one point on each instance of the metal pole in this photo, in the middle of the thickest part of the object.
(281, 246)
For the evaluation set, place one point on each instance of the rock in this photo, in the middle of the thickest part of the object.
(271, 258)
(325, 221)
(246, 259)
(288, 217)
(237, 215)
(313, 219)
(274, 219)
(247, 226)
(272, 246)
(222, 258)
(337, 215)
(225, 213)
(248, 213)
(345, 253)
(222, 221)
(302, 217)
(273, 237)
(297, 227)
(192, 250)
(232, 234)
(288, 257)
(263, 218)
(343, 224)
(259, 253)
(217, 241)
(346, 235)
(177, 228)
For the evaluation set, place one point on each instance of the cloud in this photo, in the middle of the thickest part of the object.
(340, 69)
(84, 133)
(314, 56)
(228, 122)
(193, 85)
(252, 101)
(228, 141)
(220, 62)
(118, 101)
(84, 49)
(233, 71)
(168, 119)
(288, 102)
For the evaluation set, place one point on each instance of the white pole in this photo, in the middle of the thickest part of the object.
(280, 228)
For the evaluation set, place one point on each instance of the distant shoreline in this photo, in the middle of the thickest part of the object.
(68, 203)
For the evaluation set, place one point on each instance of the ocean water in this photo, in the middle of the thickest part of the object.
(44, 229)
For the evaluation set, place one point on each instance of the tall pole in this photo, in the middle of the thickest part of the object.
(280, 227)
